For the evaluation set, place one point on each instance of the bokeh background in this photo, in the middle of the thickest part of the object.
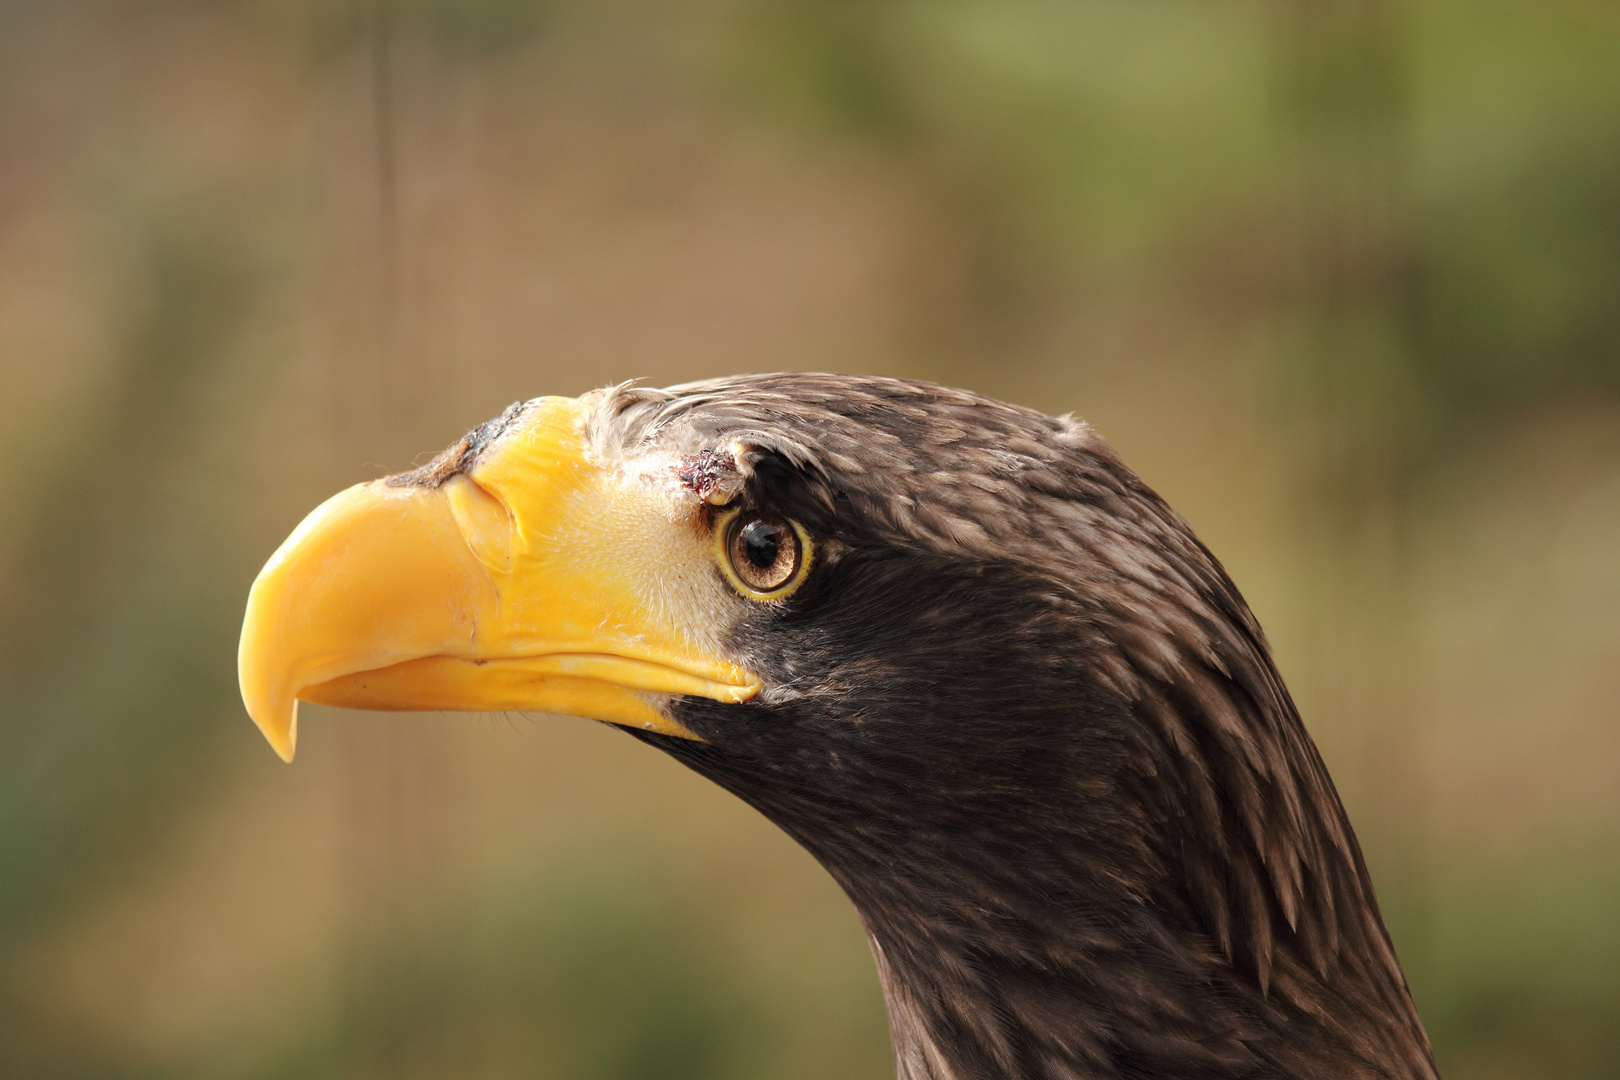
(1341, 279)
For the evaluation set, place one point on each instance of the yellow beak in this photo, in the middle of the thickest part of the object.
(537, 579)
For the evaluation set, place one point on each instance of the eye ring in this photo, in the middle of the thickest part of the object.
(764, 556)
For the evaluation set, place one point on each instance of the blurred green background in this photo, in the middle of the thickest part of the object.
(1340, 279)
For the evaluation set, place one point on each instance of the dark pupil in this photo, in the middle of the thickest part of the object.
(762, 542)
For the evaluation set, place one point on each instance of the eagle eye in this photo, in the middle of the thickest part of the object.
(764, 556)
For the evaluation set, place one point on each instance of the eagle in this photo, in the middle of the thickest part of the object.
(951, 646)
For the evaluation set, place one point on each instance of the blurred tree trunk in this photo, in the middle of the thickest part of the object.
(1352, 411)
(402, 988)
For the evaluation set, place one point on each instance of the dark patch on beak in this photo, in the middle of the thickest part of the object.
(461, 455)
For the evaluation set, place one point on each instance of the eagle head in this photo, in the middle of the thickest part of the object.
(953, 647)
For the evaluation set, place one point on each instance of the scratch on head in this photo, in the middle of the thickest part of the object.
(707, 473)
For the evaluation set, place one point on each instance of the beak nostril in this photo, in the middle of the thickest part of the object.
(484, 521)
